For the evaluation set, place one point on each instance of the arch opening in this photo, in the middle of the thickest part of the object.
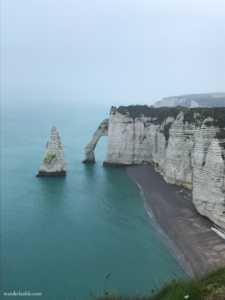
(102, 130)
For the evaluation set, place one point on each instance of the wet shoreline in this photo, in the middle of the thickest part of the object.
(196, 246)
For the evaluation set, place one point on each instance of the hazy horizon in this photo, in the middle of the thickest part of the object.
(111, 52)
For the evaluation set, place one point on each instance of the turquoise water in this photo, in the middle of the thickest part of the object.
(62, 236)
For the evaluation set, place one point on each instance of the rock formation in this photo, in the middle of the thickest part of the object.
(191, 101)
(54, 163)
(89, 149)
(187, 146)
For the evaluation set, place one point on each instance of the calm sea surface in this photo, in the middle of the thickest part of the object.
(62, 236)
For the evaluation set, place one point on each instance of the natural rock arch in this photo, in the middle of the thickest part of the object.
(89, 149)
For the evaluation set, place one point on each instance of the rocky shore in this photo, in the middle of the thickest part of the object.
(197, 246)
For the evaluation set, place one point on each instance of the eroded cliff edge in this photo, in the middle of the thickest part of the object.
(187, 146)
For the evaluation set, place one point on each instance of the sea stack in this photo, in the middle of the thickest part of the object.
(54, 163)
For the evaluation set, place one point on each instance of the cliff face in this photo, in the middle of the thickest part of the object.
(54, 163)
(196, 100)
(186, 146)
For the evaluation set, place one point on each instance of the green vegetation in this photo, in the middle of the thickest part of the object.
(48, 158)
(104, 125)
(160, 114)
(208, 123)
(217, 113)
(166, 130)
(220, 134)
(211, 286)
(195, 116)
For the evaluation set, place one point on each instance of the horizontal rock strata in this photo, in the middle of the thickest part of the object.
(187, 146)
(54, 163)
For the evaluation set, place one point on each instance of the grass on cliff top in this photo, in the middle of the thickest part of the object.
(210, 286)
(136, 111)
(161, 113)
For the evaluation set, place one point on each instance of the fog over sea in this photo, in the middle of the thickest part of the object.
(62, 236)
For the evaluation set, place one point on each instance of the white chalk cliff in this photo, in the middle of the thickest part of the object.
(187, 146)
(191, 101)
(54, 163)
(89, 149)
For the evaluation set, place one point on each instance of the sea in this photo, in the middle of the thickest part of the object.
(78, 236)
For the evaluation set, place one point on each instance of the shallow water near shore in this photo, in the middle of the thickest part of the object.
(62, 236)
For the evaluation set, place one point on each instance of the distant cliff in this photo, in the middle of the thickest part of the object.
(196, 100)
(187, 146)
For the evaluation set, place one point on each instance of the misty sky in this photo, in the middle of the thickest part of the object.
(125, 52)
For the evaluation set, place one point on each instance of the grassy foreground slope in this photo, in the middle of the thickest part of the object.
(210, 286)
